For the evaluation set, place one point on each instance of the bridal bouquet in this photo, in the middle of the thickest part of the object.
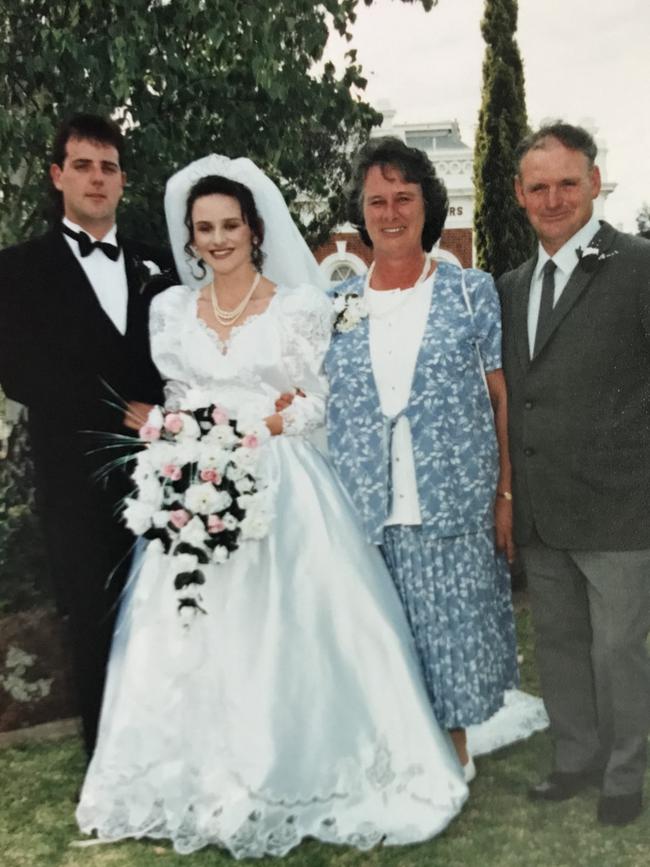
(198, 491)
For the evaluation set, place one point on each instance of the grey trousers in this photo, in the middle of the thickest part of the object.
(591, 613)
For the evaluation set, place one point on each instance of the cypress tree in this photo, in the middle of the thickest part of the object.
(503, 236)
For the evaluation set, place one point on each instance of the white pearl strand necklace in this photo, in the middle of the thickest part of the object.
(421, 278)
(229, 317)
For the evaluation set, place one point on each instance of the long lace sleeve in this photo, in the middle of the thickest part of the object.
(166, 345)
(307, 326)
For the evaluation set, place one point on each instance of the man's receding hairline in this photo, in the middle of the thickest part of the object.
(542, 144)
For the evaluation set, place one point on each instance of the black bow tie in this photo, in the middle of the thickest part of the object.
(87, 245)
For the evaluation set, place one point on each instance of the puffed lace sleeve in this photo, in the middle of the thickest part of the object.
(306, 331)
(165, 333)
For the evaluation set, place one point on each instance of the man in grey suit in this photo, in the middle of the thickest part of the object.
(577, 364)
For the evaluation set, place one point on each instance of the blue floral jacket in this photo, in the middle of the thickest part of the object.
(449, 411)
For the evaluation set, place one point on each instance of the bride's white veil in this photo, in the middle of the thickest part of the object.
(288, 260)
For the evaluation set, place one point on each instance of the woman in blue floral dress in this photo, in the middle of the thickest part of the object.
(417, 431)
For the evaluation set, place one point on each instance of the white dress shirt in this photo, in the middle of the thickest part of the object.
(566, 259)
(107, 278)
(397, 319)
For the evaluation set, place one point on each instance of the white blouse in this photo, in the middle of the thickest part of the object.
(397, 319)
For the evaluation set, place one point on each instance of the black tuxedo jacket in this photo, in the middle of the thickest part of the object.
(62, 357)
(579, 412)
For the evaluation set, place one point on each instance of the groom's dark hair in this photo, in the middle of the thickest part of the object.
(91, 127)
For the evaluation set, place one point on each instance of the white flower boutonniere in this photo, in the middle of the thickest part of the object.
(151, 267)
(349, 309)
(591, 257)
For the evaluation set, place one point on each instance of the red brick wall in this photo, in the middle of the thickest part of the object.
(456, 241)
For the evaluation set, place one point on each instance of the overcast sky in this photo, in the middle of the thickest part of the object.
(583, 60)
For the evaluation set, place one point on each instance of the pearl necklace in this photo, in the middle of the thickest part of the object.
(425, 271)
(229, 317)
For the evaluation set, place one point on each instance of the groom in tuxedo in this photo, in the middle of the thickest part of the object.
(74, 349)
(577, 364)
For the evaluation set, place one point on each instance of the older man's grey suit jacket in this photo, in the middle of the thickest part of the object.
(580, 410)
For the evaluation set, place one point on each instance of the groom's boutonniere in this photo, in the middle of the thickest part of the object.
(146, 270)
(349, 310)
(592, 257)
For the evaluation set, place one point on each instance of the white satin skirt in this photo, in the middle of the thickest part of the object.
(294, 707)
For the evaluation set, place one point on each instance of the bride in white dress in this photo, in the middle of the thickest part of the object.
(294, 706)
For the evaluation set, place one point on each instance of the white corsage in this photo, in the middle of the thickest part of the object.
(349, 310)
(591, 257)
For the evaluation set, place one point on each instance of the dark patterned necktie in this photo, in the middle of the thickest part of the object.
(546, 302)
(87, 245)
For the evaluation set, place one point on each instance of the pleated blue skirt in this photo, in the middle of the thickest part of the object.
(457, 597)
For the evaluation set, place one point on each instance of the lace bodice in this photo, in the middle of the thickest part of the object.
(276, 351)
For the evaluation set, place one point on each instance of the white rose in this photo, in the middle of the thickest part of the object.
(190, 429)
(150, 492)
(244, 485)
(155, 417)
(137, 516)
(193, 532)
(222, 435)
(230, 522)
(160, 518)
(251, 423)
(220, 554)
(235, 473)
(255, 525)
(246, 458)
(143, 470)
(212, 457)
(159, 454)
(202, 499)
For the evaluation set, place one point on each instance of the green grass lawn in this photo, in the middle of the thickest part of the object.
(499, 827)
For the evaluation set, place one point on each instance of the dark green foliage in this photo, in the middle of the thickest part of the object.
(23, 571)
(184, 78)
(503, 237)
(643, 221)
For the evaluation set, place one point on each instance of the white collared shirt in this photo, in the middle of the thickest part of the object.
(397, 319)
(566, 259)
(107, 278)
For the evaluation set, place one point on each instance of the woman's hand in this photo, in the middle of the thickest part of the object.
(275, 424)
(286, 399)
(503, 527)
(136, 414)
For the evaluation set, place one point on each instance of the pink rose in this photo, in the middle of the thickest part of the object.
(179, 517)
(173, 422)
(215, 524)
(149, 433)
(219, 415)
(171, 471)
(210, 475)
(250, 441)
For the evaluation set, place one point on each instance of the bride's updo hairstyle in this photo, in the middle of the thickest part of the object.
(217, 185)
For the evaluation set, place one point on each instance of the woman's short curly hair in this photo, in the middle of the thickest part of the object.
(416, 168)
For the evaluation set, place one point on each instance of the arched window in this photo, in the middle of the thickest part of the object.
(341, 266)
